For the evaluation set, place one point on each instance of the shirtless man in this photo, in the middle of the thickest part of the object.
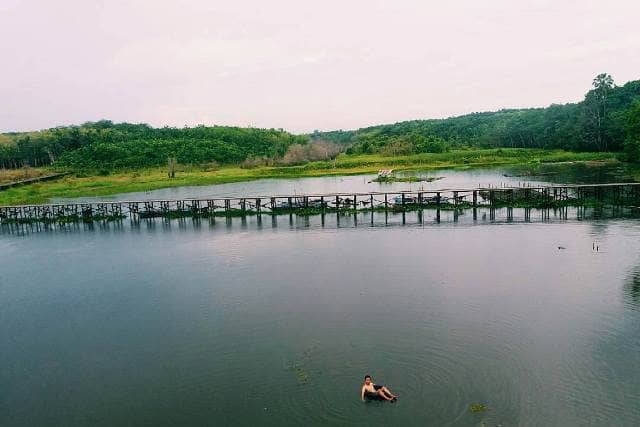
(370, 388)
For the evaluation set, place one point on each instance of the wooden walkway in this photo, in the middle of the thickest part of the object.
(617, 194)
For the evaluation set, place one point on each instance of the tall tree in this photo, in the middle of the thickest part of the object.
(602, 85)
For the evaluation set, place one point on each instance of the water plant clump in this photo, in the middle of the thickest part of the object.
(478, 407)
(412, 178)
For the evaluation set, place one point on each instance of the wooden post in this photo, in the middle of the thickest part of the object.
(455, 198)
(355, 203)
(475, 198)
(337, 203)
(438, 204)
(386, 202)
(258, 205)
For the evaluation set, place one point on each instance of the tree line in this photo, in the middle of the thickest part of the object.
(107, 145)
(608, 119)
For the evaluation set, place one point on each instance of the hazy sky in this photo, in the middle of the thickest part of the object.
(302, 65)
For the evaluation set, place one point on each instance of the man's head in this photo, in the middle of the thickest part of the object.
(367, 379)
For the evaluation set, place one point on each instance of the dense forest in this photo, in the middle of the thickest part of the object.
(105, 145)
(608, 119)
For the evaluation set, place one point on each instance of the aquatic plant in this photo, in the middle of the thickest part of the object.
(412, 178)
(478, 407)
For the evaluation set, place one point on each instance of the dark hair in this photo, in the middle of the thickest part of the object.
(367, 376)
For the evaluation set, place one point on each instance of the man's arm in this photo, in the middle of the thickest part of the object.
(362, 394)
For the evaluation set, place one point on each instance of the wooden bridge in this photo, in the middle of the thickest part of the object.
(616, 194)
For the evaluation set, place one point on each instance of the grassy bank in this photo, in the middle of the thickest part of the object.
(152, 179)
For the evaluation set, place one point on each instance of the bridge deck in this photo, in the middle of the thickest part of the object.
(622, 194)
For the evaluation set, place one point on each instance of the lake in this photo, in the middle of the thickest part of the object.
(240, 321)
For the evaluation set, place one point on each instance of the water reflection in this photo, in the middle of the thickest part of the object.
(346, 220)
(573, 173)
(632, 288)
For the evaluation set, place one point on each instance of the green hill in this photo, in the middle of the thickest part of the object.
(608, 119)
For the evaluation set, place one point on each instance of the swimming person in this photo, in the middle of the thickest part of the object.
(372, 390)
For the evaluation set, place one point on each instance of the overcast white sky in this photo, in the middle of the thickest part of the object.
(302, 65)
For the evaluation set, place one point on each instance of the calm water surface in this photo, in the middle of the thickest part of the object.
(241, 322)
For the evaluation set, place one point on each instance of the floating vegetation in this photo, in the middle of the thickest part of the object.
(392, 178)
(299, 366)
(300, 373)
(478, 407)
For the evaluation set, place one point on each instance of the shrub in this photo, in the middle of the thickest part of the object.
(632, 150)
(398, 148)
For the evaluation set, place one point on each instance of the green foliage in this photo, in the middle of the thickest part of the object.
(399, 147)
(632, 132)
(105, 145)
(632, 150)
(598, 123)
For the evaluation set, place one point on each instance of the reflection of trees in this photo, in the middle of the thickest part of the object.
(632, 287)
(574, 173)
(599, 229)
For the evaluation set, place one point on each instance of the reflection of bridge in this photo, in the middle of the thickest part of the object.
(556, 196)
